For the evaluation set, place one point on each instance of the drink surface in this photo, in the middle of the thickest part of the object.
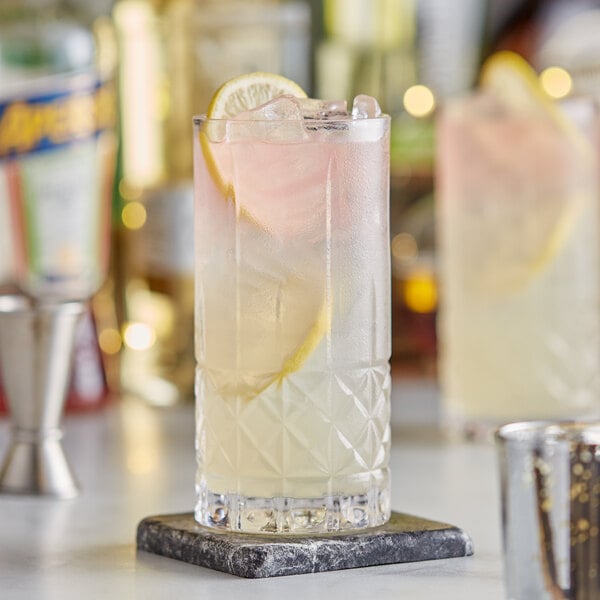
(519, 240)
(292, 315)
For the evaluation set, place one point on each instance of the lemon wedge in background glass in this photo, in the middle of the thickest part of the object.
(279, 279)
(511, 79)
(514, 82)
(527, 238)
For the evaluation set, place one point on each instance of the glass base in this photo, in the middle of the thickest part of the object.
(233, 512)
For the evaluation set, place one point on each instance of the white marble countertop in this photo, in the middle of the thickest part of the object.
(134, 461)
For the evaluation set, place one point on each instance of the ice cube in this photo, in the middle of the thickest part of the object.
(280, 108)
(313, 108)
(365, 107)
(278, 120)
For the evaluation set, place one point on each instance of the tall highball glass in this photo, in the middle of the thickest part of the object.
(292, 321)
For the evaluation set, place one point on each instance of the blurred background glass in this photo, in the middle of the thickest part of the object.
(518, 254)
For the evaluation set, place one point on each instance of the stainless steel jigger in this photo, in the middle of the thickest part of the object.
(36, 347)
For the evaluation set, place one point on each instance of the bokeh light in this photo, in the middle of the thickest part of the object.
(139, 336)
(420, 292)
(133, 215)
(419, 101)
(556, 81)
(109, 340)
(404, 247)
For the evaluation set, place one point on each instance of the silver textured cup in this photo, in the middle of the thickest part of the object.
(550, 481)
(36, 347)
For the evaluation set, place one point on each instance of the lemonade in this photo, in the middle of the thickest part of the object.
(519, 247)
(292, 317)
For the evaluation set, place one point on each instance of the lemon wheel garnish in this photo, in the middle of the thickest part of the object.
(250, 91)
(306, 300)
(510, 79)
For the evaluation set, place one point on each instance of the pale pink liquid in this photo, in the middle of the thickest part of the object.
(292, 329)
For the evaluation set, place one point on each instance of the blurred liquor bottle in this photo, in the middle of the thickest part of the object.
(57, 148)
(368, 48)
(173, 56)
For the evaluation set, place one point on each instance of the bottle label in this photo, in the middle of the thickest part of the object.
(57, 153)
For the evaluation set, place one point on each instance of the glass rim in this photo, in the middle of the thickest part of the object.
(199, 119)
(535, 433)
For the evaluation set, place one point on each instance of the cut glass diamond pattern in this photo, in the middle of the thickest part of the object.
(311, 439)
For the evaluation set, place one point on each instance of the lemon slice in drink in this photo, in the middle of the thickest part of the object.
(272, 292)
(550, 158)
(236, 96)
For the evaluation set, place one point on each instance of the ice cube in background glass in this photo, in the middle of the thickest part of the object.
(365, 107)
(278, 120)
(312, 108)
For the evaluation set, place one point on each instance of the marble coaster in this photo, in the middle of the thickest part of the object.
(404, 538)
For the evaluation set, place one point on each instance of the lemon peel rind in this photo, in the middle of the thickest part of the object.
(226, 189)
(317, 332)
